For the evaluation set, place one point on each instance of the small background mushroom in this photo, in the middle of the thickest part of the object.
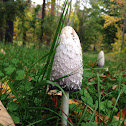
(101, 59)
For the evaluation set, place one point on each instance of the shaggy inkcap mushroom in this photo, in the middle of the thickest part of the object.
(68, 60)
(101, 59)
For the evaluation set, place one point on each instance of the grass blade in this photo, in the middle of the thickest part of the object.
(54, 43)
(99, 96)
(82, 116)
(93, 113)
(112, 113)
(43, 108)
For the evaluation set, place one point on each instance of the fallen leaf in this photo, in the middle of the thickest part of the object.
(102, 91)
(117, 118)
(5, 118)
(114, 87)
(102, 117)
(124, 75)
(92, 64)
(5, 87)
(106, 118)
(123, 112)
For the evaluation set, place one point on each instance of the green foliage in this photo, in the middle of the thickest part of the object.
(20, 75)
(27, 85)
(89, 124)
(86, 98)
(9, 69)
(88, 24)
(12, 106)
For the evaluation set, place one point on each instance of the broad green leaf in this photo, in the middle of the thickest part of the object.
(9, 70)
(108, 104)
(89, 124)
(6, 64)
(15, 61)
(74, 107)
(12, 106)
(88, 74)
(87, 97)
(124, 88)
(15, 118)
(28, 86)
(1, 74)
(20, 75)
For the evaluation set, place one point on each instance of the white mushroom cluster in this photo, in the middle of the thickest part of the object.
(68, 60)
(101, 59)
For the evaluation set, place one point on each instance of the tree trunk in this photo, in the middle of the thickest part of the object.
(24, 37)
(52, 12)
(72, 20)
(9, 28)
(42, 21)
(23, 22)
(1, 33)
(53, 7)
(1, 25)
(9, 31)
(123, 34)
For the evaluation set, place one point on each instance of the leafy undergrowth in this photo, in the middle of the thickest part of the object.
(102, 98)
(24, 92)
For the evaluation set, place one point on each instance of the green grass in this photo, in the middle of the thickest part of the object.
(22, 69)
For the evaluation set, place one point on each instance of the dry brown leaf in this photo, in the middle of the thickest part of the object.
(114, 87)
(5, 118)
(106, 118)
(124, 75)
(102, 117)
(75, 101)
(54, 92)
(92, 64)
(117, 118)
(123, 112)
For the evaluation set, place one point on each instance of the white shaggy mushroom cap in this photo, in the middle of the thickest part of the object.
(68, 60)
(101, 59)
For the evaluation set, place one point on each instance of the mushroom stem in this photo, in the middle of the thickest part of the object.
(65, 108)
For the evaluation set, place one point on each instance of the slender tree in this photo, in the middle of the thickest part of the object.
(53, 7)
(116, 14)
(9, 24)
(1, 21)
(123, 34)
(42, 22)
(28, 3)
(124, 25)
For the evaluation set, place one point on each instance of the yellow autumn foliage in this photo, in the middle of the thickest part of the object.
(110, 20)
(113, 20)
(119, 2)
(5, 88)
(116, 46)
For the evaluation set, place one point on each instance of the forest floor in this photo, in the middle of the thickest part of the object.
(24, 94)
